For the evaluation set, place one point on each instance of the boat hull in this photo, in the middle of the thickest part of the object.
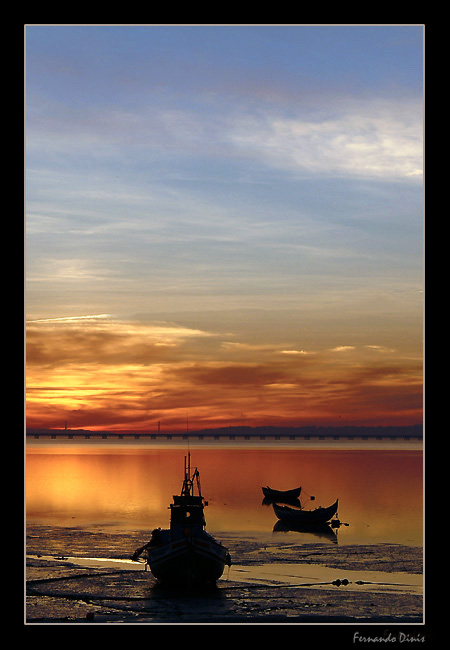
(188, 561)
(285, 494)
(320, 515)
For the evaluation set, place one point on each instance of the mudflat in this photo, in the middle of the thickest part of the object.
(74, 575)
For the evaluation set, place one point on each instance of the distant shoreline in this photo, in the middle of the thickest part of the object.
(336, 437)
(415, 431)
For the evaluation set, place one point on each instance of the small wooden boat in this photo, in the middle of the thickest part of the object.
(281, 494)
(285, 513)
(185, 554)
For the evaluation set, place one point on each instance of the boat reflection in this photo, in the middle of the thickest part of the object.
(318, 530)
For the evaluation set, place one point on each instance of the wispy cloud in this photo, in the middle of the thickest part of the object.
(377, 139)
(343, 348)
(247, 347)
(71, 319)
(102, 341)
(380, 348)
(374, 138)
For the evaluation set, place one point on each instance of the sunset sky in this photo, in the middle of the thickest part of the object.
(223, 224)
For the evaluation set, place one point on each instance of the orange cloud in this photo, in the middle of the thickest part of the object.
(104, 374)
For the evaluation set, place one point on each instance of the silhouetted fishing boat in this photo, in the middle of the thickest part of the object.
(281, 494)
(285, 513)
(185, 553)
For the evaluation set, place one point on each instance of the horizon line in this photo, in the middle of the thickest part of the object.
(180, 432)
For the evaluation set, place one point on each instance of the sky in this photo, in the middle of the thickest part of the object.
(224, 225)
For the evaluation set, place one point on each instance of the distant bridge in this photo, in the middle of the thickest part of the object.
(220, 436)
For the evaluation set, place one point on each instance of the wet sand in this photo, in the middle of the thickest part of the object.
(271, 580)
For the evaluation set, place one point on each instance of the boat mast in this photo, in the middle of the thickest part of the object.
(187, 466)
(188, 483)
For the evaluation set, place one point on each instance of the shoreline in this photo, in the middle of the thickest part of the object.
(269, 574)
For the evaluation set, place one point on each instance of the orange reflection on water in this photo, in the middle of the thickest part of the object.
(380, 492)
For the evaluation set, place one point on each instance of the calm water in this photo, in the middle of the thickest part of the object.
(380, 492)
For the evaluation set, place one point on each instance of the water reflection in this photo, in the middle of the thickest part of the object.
(318, 531)
(380, 492)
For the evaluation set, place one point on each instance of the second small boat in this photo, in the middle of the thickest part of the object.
(281, 494)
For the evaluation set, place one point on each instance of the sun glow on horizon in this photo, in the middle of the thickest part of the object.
(128, 375)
